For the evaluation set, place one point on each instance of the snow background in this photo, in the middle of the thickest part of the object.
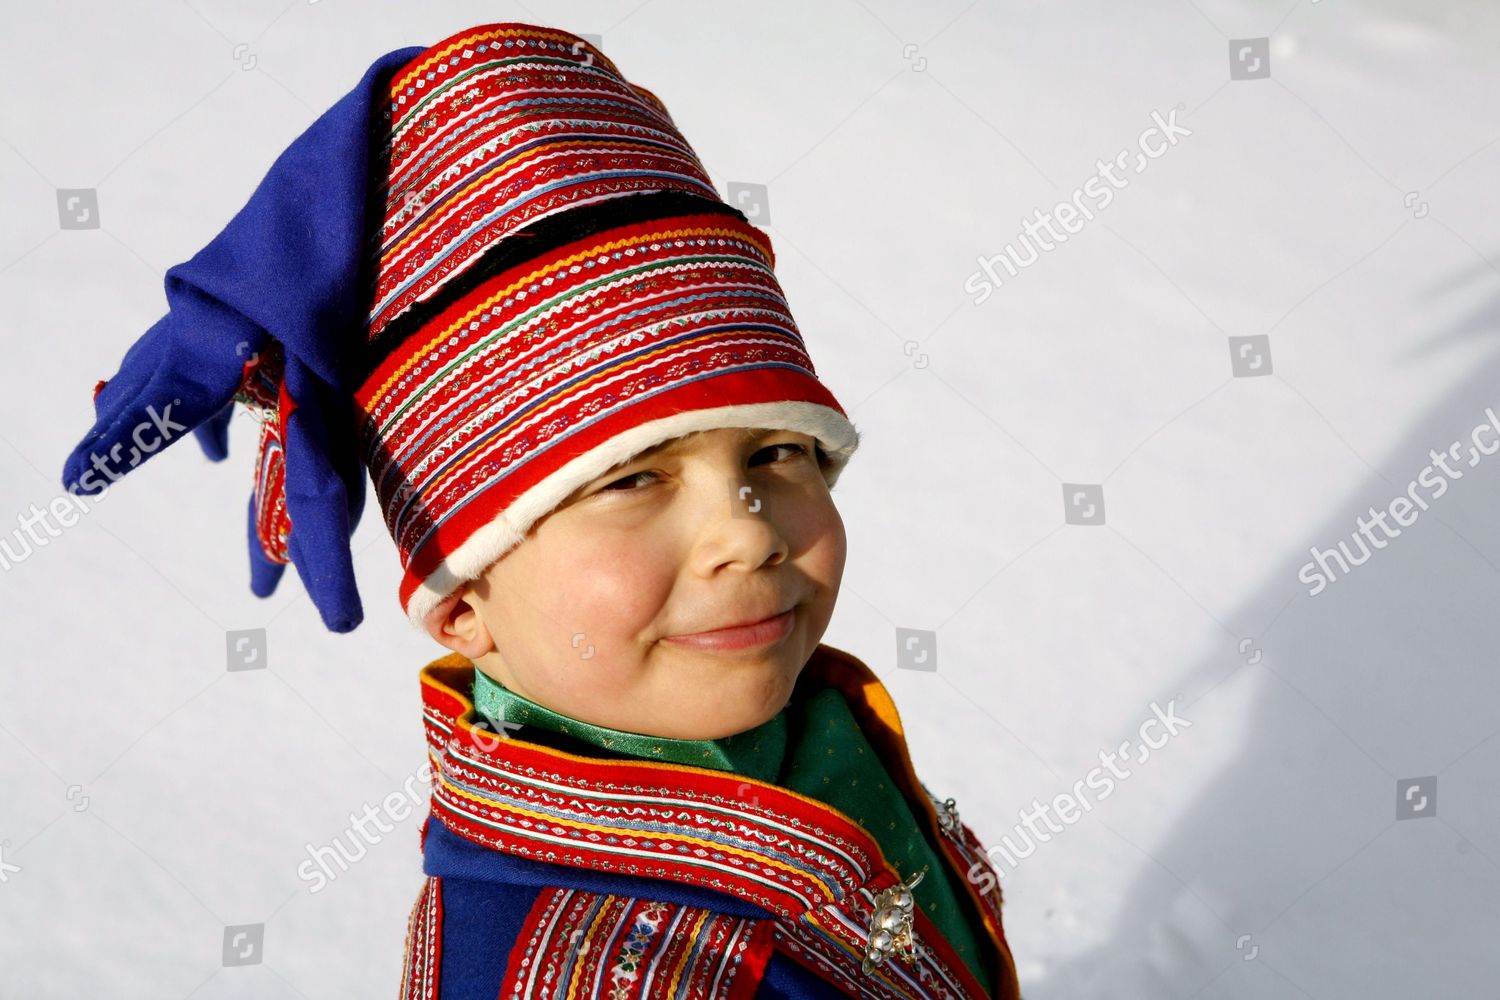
(151, 798)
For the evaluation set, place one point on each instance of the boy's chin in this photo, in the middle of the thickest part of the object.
(718, 728)
(733, 705)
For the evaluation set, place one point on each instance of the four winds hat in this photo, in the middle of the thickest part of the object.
(491, 272)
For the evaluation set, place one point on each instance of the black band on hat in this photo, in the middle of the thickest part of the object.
(544, 235)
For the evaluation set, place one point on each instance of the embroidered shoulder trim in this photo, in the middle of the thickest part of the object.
(424, 946)
(576, 943)
(756, 841)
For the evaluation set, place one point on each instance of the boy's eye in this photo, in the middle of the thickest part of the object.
(627, 480)
(625, 483)
(798, 449)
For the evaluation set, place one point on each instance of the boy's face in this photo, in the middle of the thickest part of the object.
(588, 615)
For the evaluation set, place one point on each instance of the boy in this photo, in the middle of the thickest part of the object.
(606, 460)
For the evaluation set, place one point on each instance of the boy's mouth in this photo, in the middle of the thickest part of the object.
(767, 631)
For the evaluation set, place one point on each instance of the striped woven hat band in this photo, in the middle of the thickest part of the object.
(558, 288)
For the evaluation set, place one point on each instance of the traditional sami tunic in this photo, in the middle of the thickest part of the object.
(571, 860)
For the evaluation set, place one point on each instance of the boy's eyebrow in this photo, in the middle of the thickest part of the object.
(663, 450)
(666, 448)
(678, 444)
(669, 448)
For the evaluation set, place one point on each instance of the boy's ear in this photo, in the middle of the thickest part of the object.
(456, 623)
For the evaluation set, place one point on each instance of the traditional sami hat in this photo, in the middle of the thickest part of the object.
(491, 272)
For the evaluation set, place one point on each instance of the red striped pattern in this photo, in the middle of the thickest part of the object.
(424, 943)
(584, 944)
(263, 392)
(501, 125)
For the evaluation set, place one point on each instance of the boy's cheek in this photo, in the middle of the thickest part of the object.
(818, 533)
(612, 597)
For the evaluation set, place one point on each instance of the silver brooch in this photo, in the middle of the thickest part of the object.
(890, 926)
(948, 818)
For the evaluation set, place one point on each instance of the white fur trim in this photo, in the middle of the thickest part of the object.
(837, 436)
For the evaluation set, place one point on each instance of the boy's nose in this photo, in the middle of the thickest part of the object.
(739, 526)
